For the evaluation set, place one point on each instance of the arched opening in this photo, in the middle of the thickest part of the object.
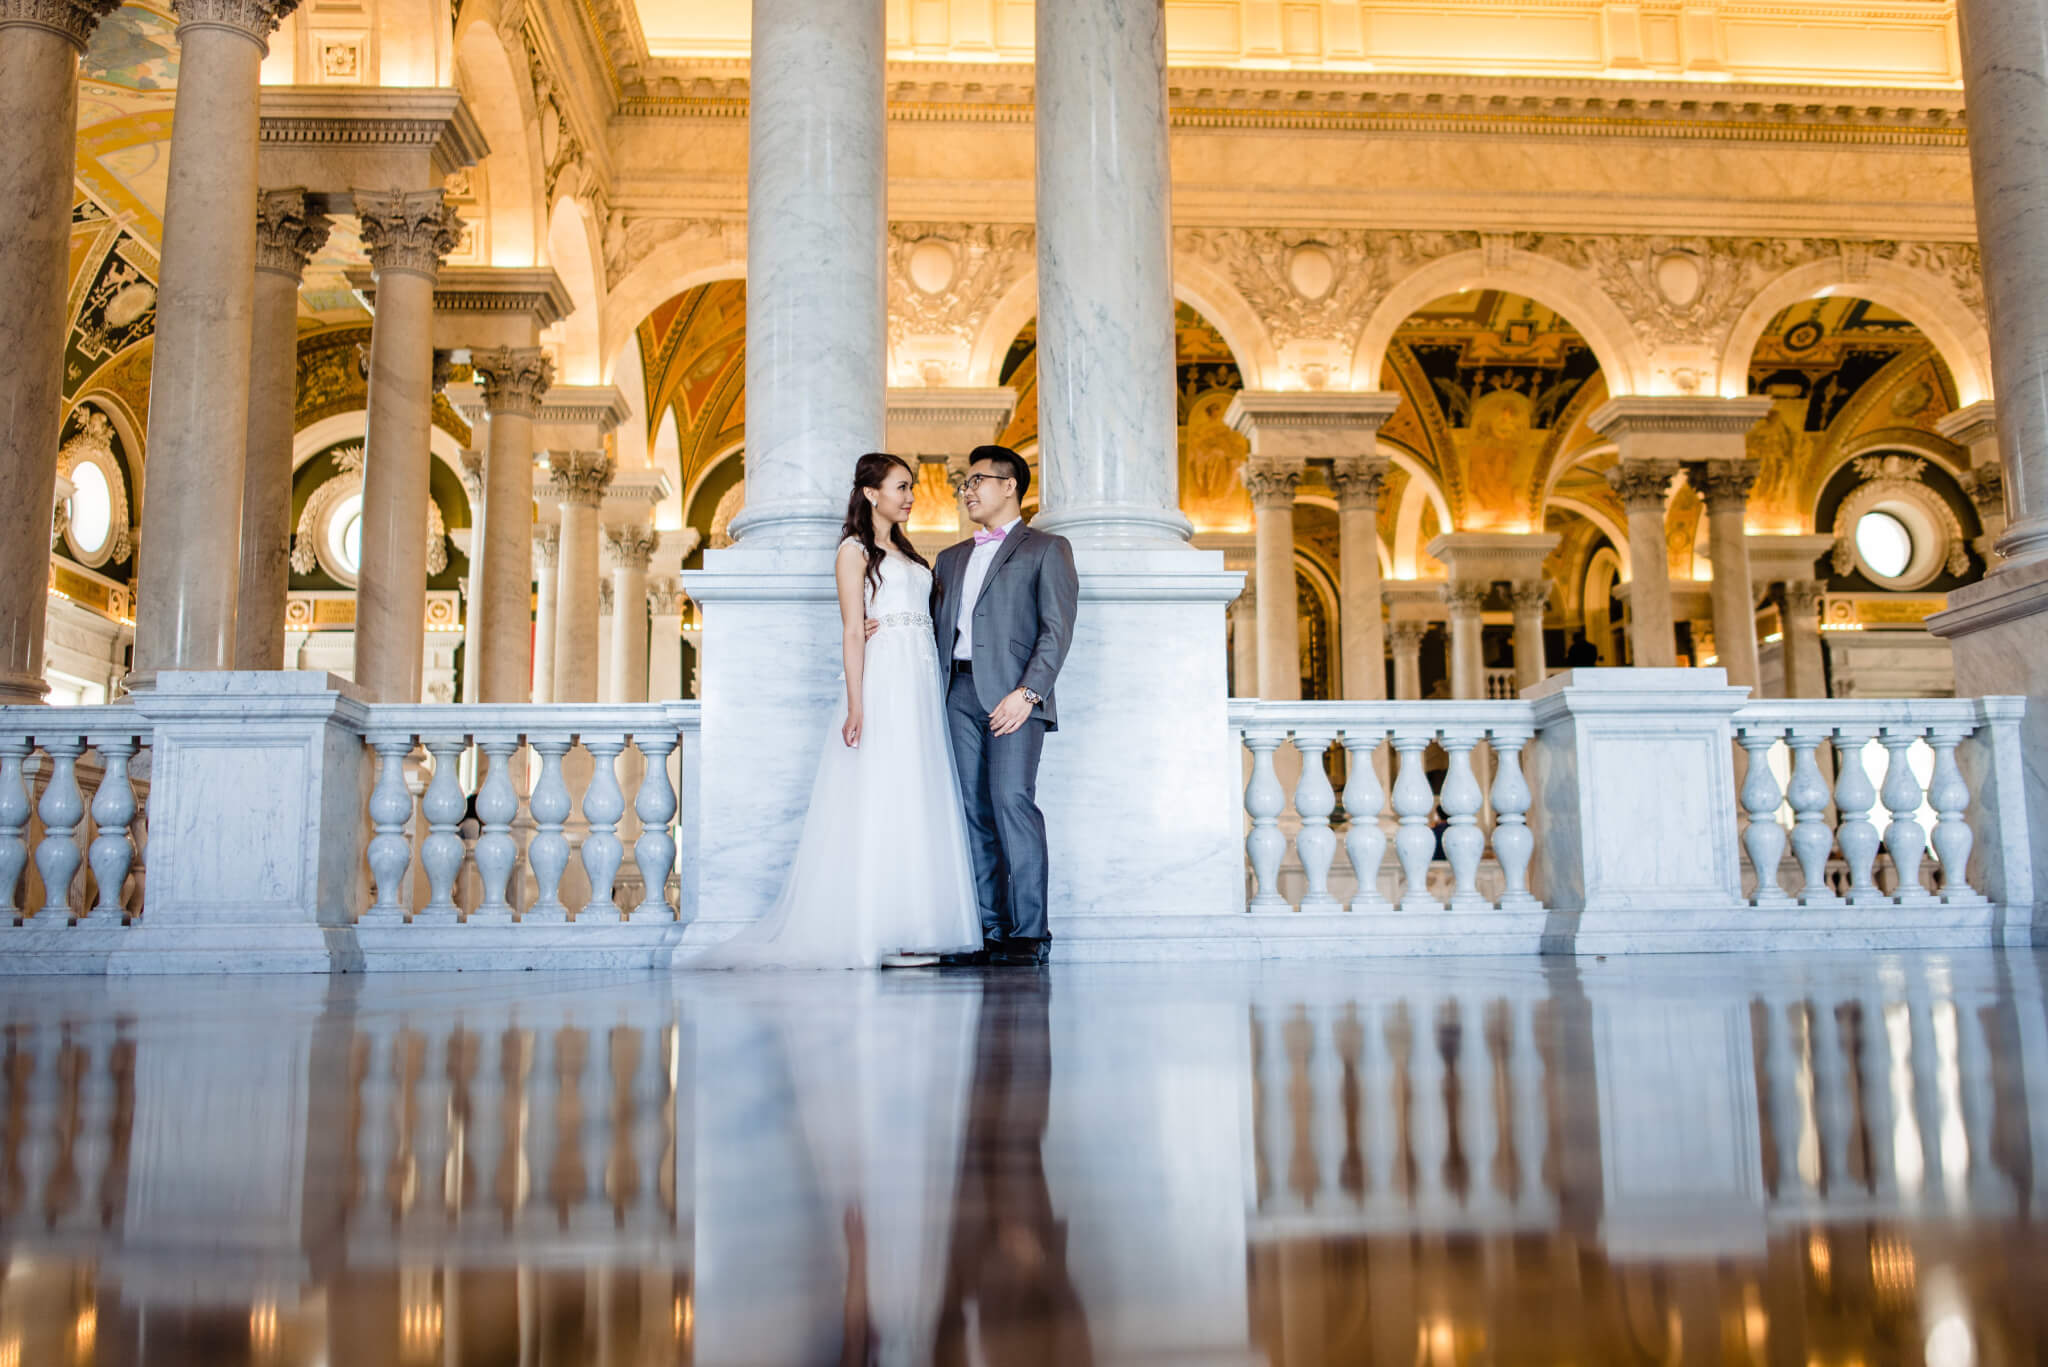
(573, 252)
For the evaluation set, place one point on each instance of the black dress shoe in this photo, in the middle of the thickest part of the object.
(1024, 953)
(973, 958)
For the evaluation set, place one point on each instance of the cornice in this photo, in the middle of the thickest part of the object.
(520, 290)
(374, 116)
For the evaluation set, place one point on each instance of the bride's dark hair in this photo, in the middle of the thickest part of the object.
(868, 473)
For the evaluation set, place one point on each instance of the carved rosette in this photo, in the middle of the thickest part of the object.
(631, 546)
(1406, 637)
(1271, 486)
(407, 230)
(71, 20)
(1359, 482)
(287, 232)
(1642, 485)
(1530, 595)
(580, 477)
(1724, 484)
(255, 20)
(1465, 596)
(547, 546)
(514, 379)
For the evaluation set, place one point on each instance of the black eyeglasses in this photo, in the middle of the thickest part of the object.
(975, 481)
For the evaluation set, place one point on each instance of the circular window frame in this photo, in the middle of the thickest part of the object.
(312, 539)
(1912, 544)
(93, 445)
(1937, 533)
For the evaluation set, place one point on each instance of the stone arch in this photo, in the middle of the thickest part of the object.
(1565, 464)
(682, 263)
(573, 250)
(1956, 332)
(1574, 295)
(1017, 306)
(1616, 534)
(1422, 488)
(315, 437)
(513, 194)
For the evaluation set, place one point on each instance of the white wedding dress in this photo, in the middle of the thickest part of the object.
(882, 867)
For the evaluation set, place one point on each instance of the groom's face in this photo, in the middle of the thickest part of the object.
(987, 493)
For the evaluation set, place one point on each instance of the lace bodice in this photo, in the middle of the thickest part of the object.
(905, 595)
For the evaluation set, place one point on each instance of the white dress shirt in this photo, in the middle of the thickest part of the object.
(970, 590)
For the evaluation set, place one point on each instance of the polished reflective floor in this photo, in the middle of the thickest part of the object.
(1735, 1159)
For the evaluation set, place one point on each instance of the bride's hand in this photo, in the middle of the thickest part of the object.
(850, 731)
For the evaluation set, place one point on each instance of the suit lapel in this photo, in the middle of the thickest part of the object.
(1004, 550)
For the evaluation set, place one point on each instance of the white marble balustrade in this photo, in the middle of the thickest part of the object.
(71, 816)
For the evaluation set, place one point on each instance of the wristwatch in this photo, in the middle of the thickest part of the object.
(1031, 697)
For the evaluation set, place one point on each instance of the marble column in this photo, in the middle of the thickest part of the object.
(1643, 487)
(580, 479)
(514, 380)
(1805, 669)
(1725, 486)
(287, 235)
(1531, 598)
(547, 557)
(1359, 481)
(1244, 642)
(665, 640)
(1405, 638)
(1464, 598)
(2005, 73)
(1272, 484)
(473, 580)
(406, 235)
(1105, 280)
(40, 41)
(627, 550)
(604, 636)
(190, 564)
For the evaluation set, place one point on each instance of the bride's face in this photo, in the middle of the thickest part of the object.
(896, 497)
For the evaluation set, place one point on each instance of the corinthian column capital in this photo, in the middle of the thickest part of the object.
(1642, 484)
(1724, 484)
(407, 230)
(1359, 482)
(71, 20)
(287, 232)
(580, 477)
(514, 379)
(629, 547)
(255, 20)
(1271, 483)
(1463, 596)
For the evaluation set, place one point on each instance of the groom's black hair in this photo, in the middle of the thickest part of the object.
(1012, 463)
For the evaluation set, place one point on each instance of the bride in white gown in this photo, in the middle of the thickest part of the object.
(881, 874)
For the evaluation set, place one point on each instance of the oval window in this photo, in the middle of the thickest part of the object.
(345, 535)
(1884, 543)
(92, 508)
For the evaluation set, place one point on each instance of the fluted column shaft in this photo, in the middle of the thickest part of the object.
(287, 236)
(816, 304)
(407, 235)
(1272, 485)
(580, 479)
(1107, 431)
(1530, 598)
(1805, 668)
(628, 549)
(547, 578)
(1643, 487)
(1406, 641)
(1464, 598)
(1359, 483)
(514, 381)
(39, 48)
(1725, 486)
(190, 564)
(2005, 72)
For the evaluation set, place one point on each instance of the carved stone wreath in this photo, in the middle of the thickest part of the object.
(1889, 482)
(309, 539)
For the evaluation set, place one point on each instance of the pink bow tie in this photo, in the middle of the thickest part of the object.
(982, 538)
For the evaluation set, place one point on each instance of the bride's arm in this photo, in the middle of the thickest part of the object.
(850, 570)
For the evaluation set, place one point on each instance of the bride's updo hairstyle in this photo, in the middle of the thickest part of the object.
(868, 473)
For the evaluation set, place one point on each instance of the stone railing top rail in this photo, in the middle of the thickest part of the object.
(1969, 712)
(479, 720)
(1360, 714)
(38, 723)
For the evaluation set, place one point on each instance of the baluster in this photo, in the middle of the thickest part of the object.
(1903, 838)
(655, 804)
(390, 809)
(1948, 794)
(1263, 799)
(1763, 838)
(1274, 1136)
(112, 853)
(1314, 800)
(1854, 797)
(497, 803)
(1414, 841)
(441, 853)
(1365, 844)
(1781, 1096)
(1463, 841)
(603, 805)
(62, 808)
(1811, 838)
(1527, 1105)
(1513, 843)
(548, 854)
(14, 813)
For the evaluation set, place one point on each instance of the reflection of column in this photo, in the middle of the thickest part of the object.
(1406, 638)
(407, 234)
(1725, 485)
(665, 640)
(580, 479)
(287, 235)
(547, 555)
(1530, 598)
(39, 48)
(1359, 482)
(1272, 484)
(198, 385)
(1468, 662)
(1805, 672)
(628, 549)
(1244, 641)
(1643, 487)
(514, 381)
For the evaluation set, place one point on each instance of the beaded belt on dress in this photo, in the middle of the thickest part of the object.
(905, 619)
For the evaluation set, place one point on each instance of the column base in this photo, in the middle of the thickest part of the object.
(18, 689)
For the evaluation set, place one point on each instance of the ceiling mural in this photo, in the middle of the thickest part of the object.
(126, 83)
(693, 357)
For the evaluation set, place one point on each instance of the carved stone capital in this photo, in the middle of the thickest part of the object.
(255, 20)
(514, 379)
(287, 232)
(631, 546)
(665, 598)
(1803, 599)
(1530, 595)
(71, 20)
(547, 546)
(1463, 596)
(1406, 637)
(473, 474)
(580, 477)
(1359, 482)
(1724, 484)
(1642, 484)
(1986, 487)
(605, 597)
(407, 230)
(1270, 484)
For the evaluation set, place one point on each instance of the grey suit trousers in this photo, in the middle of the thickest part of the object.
(1005, 829)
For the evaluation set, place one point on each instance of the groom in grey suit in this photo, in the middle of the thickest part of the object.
(1003, 611)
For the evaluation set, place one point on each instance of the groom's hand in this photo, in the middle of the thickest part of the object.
(871, 626)
(1012, 712)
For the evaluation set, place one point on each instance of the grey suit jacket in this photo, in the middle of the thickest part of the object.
(1023, 620)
